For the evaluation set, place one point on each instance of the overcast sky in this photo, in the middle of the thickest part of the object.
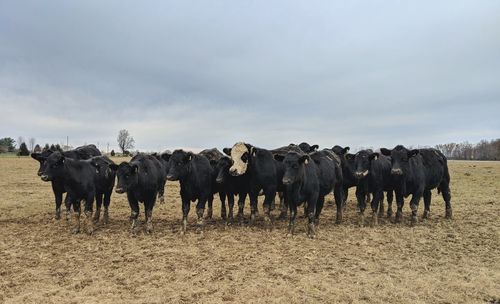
(202, 74)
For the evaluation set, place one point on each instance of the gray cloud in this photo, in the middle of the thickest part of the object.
(191, 74)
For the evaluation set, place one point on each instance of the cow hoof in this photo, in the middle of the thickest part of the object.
(106, 220)
(413, 220)
(389, 213)
(75, 230)
(398, 217)
(90, 231)
(57, 216)
(449, 213)
(425, 215)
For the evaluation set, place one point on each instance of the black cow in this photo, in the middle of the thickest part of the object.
(83, 152)
(194, 173)
(301, 185)
(78, 179)
(373, 172)
(349, 180)
(417, 172)
(330, 178)
(231, 185)
(260, 167)
(214, 155)
(141, 179)
(104, 183)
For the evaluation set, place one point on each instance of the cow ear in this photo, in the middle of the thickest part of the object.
(412, 153)
(166, 156)
(113, 167)
(374, 156)
(37, 156)
(350, 156)
(188, 157)
(304, 159)
(345, 150)
(314, 148)
(227, 151)
(385, 151)
(279, 157)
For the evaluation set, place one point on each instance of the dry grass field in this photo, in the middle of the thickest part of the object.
(438, 261)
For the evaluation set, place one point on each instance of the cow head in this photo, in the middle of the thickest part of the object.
(240, 154)
(294, 164)
(102, 165)
(340, 151)
(400, 157)
(306, 148)
(222, 169)
(41, 158)
(127, 175)
(179, 164)
(362, 163)
(52, 167)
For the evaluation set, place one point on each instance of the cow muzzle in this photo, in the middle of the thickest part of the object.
(286, 181)
(234, 172)
(171, 177)
(119, 190)
(361, 174)
(397, 172)
(45, 178)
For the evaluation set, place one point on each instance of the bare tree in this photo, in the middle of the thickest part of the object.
(20, 140)
(31, 142)
(125, 141)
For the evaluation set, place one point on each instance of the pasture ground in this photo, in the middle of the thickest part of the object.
(438, 261)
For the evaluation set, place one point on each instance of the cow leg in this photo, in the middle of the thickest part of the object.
(68, 204)
(98, 204)
(200, 208)
(58, 197)
(134, 214)
(445, 191)
(311, 208)
(76, 215)
(210, 205)
(89, 223)
(361, 197)
(241, 207)
(390, 197)
(161, 194)
(346, 194)
(339, 196)
(293, 216)
(319, 207)
(381, 205)
(378, 196)
(186, 205)
(283, 207)
(148, 212)
(268, 199)
(415, 199)
(107, 200)
(427, 203)
(253, 207)
(223, 211)
(230, 202)
(400, 202)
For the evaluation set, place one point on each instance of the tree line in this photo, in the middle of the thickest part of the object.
(483, 150)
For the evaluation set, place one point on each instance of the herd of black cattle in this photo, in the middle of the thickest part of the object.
(300, 174)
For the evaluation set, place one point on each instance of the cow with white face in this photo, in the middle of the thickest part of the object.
(260, 168)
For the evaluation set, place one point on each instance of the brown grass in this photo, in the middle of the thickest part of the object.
(438, 261)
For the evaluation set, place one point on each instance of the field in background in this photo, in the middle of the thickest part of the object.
(438, 261)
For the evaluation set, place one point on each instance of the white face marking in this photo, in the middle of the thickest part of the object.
(365, 173)
(239, 167)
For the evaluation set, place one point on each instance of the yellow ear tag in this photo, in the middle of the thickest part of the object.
(306, 161)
